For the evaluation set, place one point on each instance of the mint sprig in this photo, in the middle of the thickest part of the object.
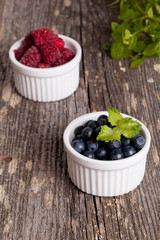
(138, 34)
(122, 126)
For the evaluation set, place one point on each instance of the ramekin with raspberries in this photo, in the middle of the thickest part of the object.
(45, 65)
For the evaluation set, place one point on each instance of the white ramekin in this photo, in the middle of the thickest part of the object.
(104, 178)
(49, 84)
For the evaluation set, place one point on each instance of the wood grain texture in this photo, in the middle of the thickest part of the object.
(37, 199)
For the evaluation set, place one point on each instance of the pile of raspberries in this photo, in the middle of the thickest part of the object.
(42, 48)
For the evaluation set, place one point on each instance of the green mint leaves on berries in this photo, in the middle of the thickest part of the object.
(121, 126)
(138, 34)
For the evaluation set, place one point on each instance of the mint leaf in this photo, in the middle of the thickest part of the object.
(133, 42)
(128, 127)
(157, 54)
(150, 49)
(157, 6)
(114, 26)
(122, 126)
(114, 116)
(117, 36)
(117, 50)
(150, 12)
(126, 52)
(128, 34)
(126, 13)
(137, 62)
(108, 134)
(138, 30)
(139, 47)
(124, 41)
(125, 126)
(123, 26)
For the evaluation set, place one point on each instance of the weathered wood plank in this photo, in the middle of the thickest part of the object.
(37, 198)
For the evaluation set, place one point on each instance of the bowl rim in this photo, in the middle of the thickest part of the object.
(103, 164)
(46, 70)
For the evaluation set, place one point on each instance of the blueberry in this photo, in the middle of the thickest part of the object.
(138, 141)
(87, 133)
(125, 141)
(113, 144)
(78, 145)
(92, 124)
(102, 120)
(86, 124)
(129, 151)
(116, 154)
(78, 130)
(109, 124)
(89, 154)
(92, 145)
(77, 137)
(101, 153)
(96, 131)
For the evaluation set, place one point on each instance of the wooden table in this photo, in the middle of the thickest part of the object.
(37, 198)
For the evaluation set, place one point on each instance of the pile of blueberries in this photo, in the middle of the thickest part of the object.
(86, 144)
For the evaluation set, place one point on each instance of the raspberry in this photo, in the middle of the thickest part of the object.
(50, 53)
(43, 35)
(43, 65)
(56, 36)
(20, 51)
(59, 62)
(32, 57)
(58, 42)
(29, 41)
(67, 54)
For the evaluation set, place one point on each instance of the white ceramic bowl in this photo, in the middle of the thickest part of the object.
(49, 84)
(104, 178)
